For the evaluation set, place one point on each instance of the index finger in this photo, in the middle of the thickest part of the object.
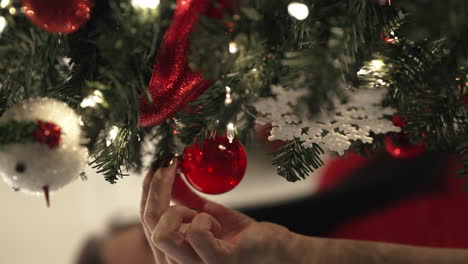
(159, 194)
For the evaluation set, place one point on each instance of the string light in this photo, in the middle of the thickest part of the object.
(233, 47)
(81, 121)
(228, 99)
(150, 4)
(112, 135)
(376, 64)
(230, 132)
(4, 3)
(92, 100)
(12, 10)
(3, 24)
(298, 10)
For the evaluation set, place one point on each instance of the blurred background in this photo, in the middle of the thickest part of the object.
(32, 233)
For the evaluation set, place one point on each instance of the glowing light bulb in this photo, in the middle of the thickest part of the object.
(112, 135)
(233, 47)
(230, 132)
(4, 3)
(228, 99)
(3, 24)
(150, 4)
(377, 64)
(12, 10)
(92, 100)
(298, 10)
(81, 121)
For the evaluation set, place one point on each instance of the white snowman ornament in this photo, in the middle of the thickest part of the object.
(43, 151)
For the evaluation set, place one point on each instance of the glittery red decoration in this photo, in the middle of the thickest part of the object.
(215, 168)
(173, 84)
(400, 121)
(48, 133)
(58, 16)
(402, 149)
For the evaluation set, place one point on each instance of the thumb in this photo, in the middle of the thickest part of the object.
(201, 236)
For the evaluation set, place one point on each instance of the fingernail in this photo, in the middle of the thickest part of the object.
(169, 161)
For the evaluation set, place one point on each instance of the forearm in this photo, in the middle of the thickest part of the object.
(341, 251)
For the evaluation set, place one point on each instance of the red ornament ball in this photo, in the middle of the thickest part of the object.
(48, 133)
(58, 16)
(216, 166)
(402, 149)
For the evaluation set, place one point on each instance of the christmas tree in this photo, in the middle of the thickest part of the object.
(347, 75)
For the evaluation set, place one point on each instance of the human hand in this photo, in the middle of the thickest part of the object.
(208, 233)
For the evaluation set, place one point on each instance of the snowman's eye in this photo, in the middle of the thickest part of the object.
(20, 167)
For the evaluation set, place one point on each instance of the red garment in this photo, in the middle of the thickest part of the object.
(436, 219)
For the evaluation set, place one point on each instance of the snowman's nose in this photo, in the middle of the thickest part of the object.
(46, 194)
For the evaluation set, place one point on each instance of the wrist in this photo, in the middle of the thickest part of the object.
(302, 249)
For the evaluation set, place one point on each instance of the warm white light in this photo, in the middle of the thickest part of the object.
(12, 10)
(222, 147)
(81, 121)
(92, 100)
(3, 24)
(4, 3)
(228, 99)
(112, 135)
(151, 4)
(233, 48)
(230, 132)
(298, 10)
(377, 64)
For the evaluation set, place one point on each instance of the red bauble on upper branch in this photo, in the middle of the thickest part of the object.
(402, 147)
(58, 16)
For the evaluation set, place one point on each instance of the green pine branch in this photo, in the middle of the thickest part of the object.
(294, 162)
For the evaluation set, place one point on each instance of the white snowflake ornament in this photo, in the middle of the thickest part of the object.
(348, 122)
(45, 153)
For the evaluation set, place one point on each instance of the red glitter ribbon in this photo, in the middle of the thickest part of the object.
(48, 133)
(173, 84)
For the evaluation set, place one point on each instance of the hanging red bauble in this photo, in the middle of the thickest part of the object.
(48, 133)
(58, 16)
(216, 166)
(402, 147)
(173, 83)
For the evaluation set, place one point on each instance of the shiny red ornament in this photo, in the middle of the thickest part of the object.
(216, 166)
(48, 133)
(402, 148)
(173, 84)
(58, 16)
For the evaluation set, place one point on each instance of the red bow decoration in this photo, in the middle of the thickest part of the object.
(173, 84)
